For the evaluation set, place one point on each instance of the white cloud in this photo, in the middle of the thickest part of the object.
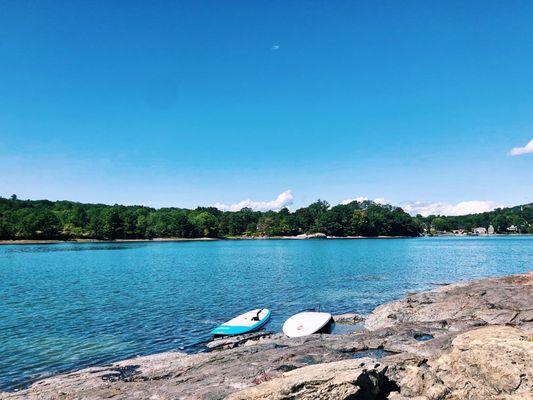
(283, 200)
(442, 208)
(360, 199)
(517, 151)
(275, 47)
(412, 207)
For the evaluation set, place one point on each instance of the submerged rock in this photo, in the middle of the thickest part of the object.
(464, 341)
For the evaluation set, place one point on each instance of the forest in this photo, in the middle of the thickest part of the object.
(64, 220)
(44, 219)
(501, 219)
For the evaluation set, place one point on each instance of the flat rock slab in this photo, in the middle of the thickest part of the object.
(494, 301)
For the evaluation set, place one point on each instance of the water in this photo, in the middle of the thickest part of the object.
(69, 306)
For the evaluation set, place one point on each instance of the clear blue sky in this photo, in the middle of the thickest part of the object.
(197, 102)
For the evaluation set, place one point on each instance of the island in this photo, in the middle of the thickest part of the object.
(41, 221)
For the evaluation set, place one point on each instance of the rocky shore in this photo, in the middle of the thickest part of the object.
(200, 239)
(463, 341)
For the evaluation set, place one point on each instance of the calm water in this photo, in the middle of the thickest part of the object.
(67, 306)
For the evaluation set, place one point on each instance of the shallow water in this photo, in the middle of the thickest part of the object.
(68, 306)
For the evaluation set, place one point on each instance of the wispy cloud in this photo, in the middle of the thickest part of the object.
(424, 208)
(275, 47)
(283, 200)
(378, 200)
(442, 208)
(518, 151)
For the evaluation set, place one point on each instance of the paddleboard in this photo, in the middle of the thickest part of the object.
(306, 323)
(244, 323)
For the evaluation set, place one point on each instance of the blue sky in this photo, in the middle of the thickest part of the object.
(198, 103)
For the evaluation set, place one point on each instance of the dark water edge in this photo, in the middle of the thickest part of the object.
(90, 241)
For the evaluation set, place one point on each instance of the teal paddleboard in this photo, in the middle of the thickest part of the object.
(244, 323)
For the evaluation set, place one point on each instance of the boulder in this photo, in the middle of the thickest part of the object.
(348, 379)
(493, 362)
(311, 236)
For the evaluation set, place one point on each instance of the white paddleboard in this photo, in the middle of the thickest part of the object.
(244, 323)
(305, 323)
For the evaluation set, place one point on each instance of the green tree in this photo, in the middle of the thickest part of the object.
(441, 224)
(113, 223)
(6, 230)
(205, 224)
(38, 224)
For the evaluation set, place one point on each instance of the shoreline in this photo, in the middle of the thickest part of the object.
(424, 343)
(82, 241)
(203, 239)
(229, 238)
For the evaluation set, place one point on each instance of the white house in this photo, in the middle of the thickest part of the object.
(490, 231)
(480, 231)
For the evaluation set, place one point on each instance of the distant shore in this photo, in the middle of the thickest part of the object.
(206, 239)
(160, 240)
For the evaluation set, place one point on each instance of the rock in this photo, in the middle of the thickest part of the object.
(459, 306)
(206, 375)
(348, 319)
(311, 236)
(229, 342)
(317, 235)
(484, 363)
(349, 379)
(488, 362)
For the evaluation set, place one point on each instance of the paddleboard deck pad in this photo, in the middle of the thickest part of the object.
(306, 323)
(244, 323)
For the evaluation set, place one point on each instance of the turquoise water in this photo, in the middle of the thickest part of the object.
(68, 306)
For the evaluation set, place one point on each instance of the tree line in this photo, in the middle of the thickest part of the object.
(44, 219)
(521, 217)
